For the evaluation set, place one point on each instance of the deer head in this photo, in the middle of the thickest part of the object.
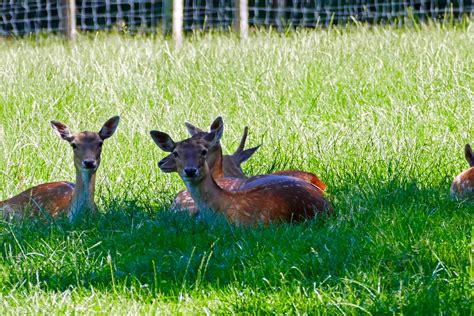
(190, 155)
(231, 163)
(87, 146)
(214, 156)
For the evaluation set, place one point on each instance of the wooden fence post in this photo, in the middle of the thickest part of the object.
(70, 19)
(178, 22)
(280, 15)
(241, 21)
(167, 12)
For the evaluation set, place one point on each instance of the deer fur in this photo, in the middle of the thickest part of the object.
(463, 184)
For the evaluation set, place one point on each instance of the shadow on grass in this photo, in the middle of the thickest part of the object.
(384, 235)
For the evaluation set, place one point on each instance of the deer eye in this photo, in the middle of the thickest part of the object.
(74, 146)
(204, 152)
(175, 154)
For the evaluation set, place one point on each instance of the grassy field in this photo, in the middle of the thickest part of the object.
(381, 115)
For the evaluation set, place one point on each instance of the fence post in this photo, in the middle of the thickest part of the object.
(241, 21)
(280, 15)
(166, 11)
(178, 22)
(70, 19)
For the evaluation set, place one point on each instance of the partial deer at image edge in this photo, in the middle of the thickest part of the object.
(463, 184)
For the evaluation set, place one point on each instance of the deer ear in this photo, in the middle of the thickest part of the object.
(193, 130)
(217, 127)
(62, 130)
(243, 156)
(109, 127)
(213, 138)
(168, 164)
(469, 155)
(163, 141)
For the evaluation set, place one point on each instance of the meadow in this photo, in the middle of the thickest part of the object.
(381, 115)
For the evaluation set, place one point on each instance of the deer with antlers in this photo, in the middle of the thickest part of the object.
(266, 199)
(227, 172)
(463, 184)
(57, 199)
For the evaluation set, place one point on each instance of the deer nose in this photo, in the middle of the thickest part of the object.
(190, 172)
(89, 164)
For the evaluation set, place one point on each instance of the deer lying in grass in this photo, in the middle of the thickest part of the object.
(226, 171)
(268, 198)
(232, 163)
(463, 184)
(57, 199)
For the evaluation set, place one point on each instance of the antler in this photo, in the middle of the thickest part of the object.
(242, 141)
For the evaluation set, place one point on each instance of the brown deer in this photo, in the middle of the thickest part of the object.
(266, 199)
(230, 175)
(57, 199)
(232, 163)
(463, 184)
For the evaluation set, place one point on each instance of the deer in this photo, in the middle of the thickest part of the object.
(463, 184)
(226, 169)
(267, 199)
(56, 199)
(232, 164)
(231, 175)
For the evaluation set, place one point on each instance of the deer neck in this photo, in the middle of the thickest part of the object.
(208, 194)
(83, 196)
(217, 169)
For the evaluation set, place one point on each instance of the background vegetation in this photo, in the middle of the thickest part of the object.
(380, 114)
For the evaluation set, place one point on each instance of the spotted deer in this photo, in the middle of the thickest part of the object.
(267, 199)
(463, 184)
(226, 171)
(232, 164)
(229, 177)
(58, 199)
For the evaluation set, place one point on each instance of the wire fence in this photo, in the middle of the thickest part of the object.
(22, 17)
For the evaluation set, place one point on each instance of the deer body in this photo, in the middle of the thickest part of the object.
(184, 200)
(463, 184)
(303, 175)
(57, 199)
(267, 198)
(53, 198)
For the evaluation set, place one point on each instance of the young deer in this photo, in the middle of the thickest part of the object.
(232, 163)
(65, 198)
(269, 198)
(226, 171)
(224, 168)
(463, 184)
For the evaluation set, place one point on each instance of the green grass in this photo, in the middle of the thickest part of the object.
(381, 115)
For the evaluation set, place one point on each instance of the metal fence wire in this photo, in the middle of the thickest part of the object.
(19, 17)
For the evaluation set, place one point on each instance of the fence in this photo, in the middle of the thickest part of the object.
(22, 17)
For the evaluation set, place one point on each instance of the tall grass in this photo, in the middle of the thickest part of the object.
(381, 115)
